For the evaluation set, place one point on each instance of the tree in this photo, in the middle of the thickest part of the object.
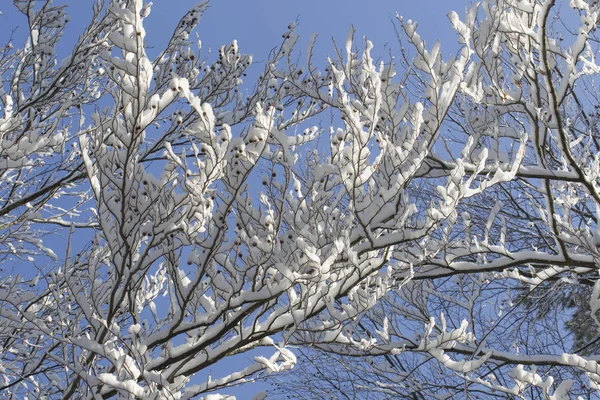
(503, 298)
(219, 223)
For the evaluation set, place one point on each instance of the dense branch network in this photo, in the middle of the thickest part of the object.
(438, 238)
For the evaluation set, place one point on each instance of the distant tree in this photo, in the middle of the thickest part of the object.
(427, 241)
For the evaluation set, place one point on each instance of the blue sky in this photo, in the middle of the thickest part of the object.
(258, 25)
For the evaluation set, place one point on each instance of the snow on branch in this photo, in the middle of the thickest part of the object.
(440, 231)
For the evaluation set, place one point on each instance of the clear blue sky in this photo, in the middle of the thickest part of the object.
(257, 25)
